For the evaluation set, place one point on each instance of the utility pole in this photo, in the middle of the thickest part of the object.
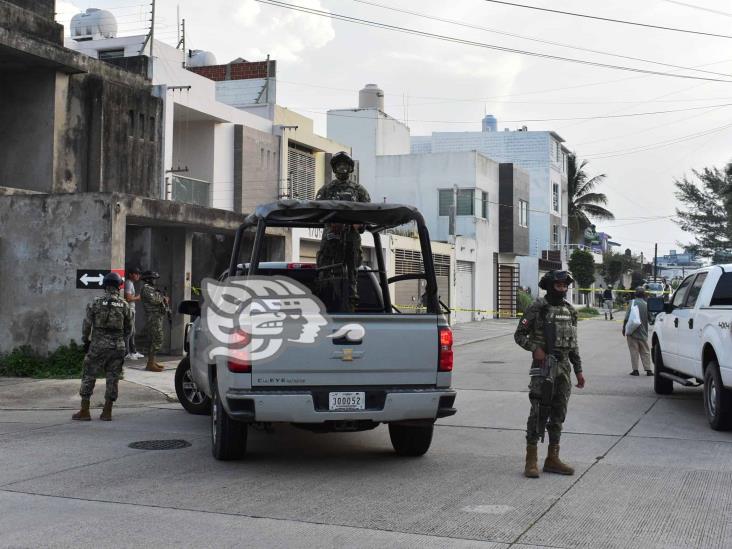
(182, 40)
(150, 38)
(655, 261)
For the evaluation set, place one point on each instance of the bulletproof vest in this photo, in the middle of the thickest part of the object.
(109, 314)
(342, 191)
(563, 319)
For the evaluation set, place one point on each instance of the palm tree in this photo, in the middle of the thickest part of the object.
(583, 202)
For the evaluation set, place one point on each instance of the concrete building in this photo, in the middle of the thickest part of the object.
(544, 157)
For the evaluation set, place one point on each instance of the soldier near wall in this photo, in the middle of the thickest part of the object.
(341, 243)
(156, 308)
(108, 323)
(549, 331)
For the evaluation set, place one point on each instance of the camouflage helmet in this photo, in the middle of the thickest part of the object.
(111, 279)
(342, 157)
(150, 275)
(547, 281)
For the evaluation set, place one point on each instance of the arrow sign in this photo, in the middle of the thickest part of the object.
(86, 279)
(91, 279)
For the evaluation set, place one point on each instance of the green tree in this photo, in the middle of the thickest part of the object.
(583, 200)
(708, 213)
(582, 265)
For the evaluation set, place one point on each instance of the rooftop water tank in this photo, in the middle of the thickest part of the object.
(490, 124)
(371, 97)
(200, 58)
(94, 24)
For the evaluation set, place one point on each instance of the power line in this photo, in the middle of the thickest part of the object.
(477, 27)
(700, 8)
(610, 20)
(484, 45)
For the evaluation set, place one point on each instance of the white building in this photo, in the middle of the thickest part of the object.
(544, 157)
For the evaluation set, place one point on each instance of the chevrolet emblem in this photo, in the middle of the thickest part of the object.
(347, 355)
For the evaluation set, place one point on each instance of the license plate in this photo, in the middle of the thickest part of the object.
(347, 401)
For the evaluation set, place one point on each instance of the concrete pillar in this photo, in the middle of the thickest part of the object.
(118, 220)
(238, 167)
(181, 251)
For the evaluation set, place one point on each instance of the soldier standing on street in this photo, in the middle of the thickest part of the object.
(341, 244)
(156, 307)
(549, 331)
(107, 325)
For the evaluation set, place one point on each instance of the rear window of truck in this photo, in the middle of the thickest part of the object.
(723, 292)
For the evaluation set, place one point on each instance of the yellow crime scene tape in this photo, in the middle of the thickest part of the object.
(597, 290)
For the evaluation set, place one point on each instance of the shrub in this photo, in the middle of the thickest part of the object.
(64, 362)
(523, 300)
(588, 311)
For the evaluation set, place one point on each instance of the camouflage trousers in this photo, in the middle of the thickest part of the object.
(154, 330)
(102, 361)
(350, 255)
(558, 412)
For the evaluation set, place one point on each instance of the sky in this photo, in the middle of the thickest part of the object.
(436, 85)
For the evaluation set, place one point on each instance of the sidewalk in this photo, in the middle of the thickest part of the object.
(163, 382)
(482, 330)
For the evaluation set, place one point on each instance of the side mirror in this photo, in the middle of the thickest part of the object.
(655, 304)
(189, 307)
(668, 307)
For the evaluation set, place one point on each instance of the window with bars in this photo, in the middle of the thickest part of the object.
(465, 202)
(523, 213)
(484, 205)
(555, 235)
(410, 261)
(301, 171)
(555, 197)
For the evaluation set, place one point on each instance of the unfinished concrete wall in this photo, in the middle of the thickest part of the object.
(27, 101)
(258, 180)
(45, 239)
(44, 8)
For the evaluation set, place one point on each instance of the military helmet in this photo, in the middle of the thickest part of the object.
(342, 157)
(111, 279)
(547, 281)
(150, 275)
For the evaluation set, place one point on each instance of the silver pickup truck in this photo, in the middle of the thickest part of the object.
(352, 371)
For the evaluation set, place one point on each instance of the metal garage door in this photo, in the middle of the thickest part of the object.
(407, 293)
(464, 291)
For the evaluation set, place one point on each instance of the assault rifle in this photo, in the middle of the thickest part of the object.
(546, 370)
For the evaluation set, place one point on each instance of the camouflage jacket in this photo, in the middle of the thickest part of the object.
(339, 190)
(108, 322)
(530, 331)
(152, 300)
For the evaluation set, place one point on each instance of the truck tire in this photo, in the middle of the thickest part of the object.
(661, 385)
(409, 440)
(717, 399)
(228, 437)
(193, 400)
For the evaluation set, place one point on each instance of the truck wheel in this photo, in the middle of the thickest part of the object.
(717, 399)
(661, 385)
(189, 395)
(409, 440)
(228, 437)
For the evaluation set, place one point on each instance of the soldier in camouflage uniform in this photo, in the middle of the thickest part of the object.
(550, 316)
(341, 244)
(107, 325)
(156, 308)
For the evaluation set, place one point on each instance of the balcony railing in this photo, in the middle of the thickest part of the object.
(190, 190)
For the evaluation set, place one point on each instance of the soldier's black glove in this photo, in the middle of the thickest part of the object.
(86, 347)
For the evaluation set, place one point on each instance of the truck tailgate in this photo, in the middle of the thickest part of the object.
(395, 350)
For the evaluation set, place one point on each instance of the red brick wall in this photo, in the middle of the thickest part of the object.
(237, 71)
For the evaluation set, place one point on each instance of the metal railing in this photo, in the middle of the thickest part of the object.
(190, 190)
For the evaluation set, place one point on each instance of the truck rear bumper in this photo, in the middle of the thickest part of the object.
(307, 407)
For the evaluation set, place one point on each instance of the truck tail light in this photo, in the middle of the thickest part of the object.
(445, 363)
(239, 363)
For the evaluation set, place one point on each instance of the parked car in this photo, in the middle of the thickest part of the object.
(654, 289)
(397, 372)
(692, 340)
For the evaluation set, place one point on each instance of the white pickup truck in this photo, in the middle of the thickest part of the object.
(691, 340)
(392, 366)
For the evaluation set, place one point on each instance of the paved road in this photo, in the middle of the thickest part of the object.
(650, 472)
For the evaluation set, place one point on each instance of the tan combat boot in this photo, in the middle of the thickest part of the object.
(106, 414)
(83, 414)
(532, 469)
(553, 464)
(151, 365)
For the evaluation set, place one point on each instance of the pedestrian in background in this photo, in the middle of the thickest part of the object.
(106, 327)
(667, 290)
(131, 296)
(607, 301)
(638, 338)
